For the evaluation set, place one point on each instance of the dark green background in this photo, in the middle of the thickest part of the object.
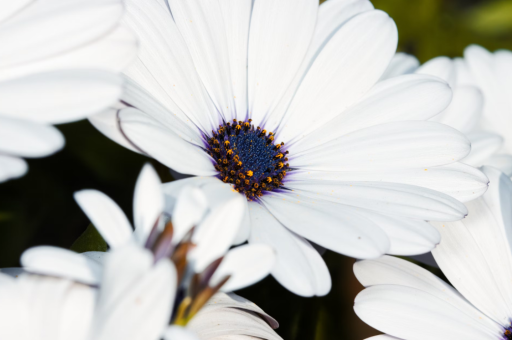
(39, 208)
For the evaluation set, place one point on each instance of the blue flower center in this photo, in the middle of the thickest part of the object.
(248, 158)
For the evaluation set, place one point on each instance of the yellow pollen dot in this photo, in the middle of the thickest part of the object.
(249, 173)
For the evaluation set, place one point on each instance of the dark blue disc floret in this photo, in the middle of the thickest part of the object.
(248, 158)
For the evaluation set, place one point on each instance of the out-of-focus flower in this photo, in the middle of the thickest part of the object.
(480, 107)
(278, 99)
(407, 301)
(59, 63)
(195, 231)
(134, 301)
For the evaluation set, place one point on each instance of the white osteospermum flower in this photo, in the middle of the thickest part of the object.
(408, 302)
(350, 164)
(59, 63)
(215, 228)
(477, 106)
(133, 302)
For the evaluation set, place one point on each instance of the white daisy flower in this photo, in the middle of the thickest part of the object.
(134, 302)
(279, 100)
(59, 63)
(408, 302)
(480, 106)
(193, 230)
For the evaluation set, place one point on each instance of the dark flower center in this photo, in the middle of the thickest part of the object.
(248, 158)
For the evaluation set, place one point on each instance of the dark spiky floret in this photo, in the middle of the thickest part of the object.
(248, 158)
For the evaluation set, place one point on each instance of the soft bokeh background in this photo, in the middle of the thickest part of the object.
(39, 208)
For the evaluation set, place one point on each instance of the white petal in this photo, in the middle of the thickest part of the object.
(475, 253)
(11, 167)
(387, 198)
(409, 97)
(501, 162)
(246, 265)
(60, 262)
(44, 37)
(112, 52)
(98, 256)
(27, 139)
(382, 337)
(147, 103)
(206, 28)
(458, 180)
(407, 236)
(441, 67)
(332, 15)
(465, 109)
(348, 66)
(59, 96)
(136, 298)
(483, 145)
(218, 229)
(389, 270)
(402, 63)
(148, 203)
(179, 333)
(245, 227)
(106, 216)
(164, 145)
(279, 36)
(11, 8)
(340, 228)
(191, 206)
(299, 267)
(165, 68)
(410, 313)
(387, 146)
(106, 122)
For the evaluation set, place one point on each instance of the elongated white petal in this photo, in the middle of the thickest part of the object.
(441, 67)
(279, 36)
(60, 262)
(106, 216)
(218, 230)
(501, 162)
(348, 66)
(135, 293)
(465, 109)
(475, 253)
(164, 145)
(246, 265)
(148, 202)
(409, 97)
(402, 63)
(59, 96)
(10, 8)
(458, 180)
(165, 67)
(409, 313)
(112, 52)
(299, 267)
(216, 34)
(11, 167)
(388, 198)
(339, 227)
(191, 205)
(387, 146)
(44, 37)
(332, 15)
(106, 122)
(483, 146)
(389, 270)
(27, 139)
(406, 236)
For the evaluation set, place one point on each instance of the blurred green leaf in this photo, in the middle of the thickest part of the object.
(491, 18)
(90, 240)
